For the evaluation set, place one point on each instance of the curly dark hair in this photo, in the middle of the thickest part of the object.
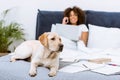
(78, 11)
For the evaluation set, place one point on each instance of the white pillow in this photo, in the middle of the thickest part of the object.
(102, 37)
(69, 44)
(68, 31)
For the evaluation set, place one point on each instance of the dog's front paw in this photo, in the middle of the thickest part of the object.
(32, 73)
(51, 74)
(12, 59)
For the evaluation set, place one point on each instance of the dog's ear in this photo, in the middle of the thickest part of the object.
(43, 39)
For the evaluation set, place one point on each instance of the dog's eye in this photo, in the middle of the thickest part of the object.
(52, 38)
(60, 39)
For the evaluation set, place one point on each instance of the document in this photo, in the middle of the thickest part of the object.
(105, 69)
(76, 67)
(108, 70)
(80, 66)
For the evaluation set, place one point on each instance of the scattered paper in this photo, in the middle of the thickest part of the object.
(108, 70)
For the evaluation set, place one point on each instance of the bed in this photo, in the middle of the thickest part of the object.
(19, 69)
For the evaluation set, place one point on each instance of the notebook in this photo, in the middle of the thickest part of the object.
(98, 68)
(68, 31)
(73, 68)
(108, 70)
(80, 66)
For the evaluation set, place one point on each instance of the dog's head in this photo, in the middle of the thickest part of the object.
(51, 41)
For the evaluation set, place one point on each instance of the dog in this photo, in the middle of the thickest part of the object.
(43, 52)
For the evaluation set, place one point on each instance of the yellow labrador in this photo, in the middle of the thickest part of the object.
(44, 52)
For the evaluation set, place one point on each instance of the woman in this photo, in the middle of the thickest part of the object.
(76, 16)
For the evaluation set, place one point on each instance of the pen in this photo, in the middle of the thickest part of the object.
(78, 60)
(84, 65)
(113, 64)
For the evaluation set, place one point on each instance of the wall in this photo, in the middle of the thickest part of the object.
(25, 11)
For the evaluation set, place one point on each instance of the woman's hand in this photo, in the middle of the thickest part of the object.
(65, 20)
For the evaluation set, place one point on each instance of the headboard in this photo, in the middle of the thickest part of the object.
(45, 19)
(102, 18)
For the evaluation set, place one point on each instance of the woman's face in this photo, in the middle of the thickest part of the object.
(73, 18)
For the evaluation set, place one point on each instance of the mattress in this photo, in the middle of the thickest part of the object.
(19, 71)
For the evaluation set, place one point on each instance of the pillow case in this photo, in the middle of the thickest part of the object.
(102, 37)
(69, 44)
(68, 31)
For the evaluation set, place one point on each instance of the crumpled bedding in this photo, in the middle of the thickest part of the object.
(84, 52)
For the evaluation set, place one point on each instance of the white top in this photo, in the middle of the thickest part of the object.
(82, 28)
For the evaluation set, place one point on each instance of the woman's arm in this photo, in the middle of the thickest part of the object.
(84, 37)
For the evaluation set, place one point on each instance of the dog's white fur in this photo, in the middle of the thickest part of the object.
(44, 52)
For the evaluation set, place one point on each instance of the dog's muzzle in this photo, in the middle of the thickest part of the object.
(60, 47)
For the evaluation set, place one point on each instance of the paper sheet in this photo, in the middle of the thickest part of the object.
(76, 67)
(80, 66)
(108, 70)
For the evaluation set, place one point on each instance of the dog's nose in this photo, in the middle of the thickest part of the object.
(61, 47)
